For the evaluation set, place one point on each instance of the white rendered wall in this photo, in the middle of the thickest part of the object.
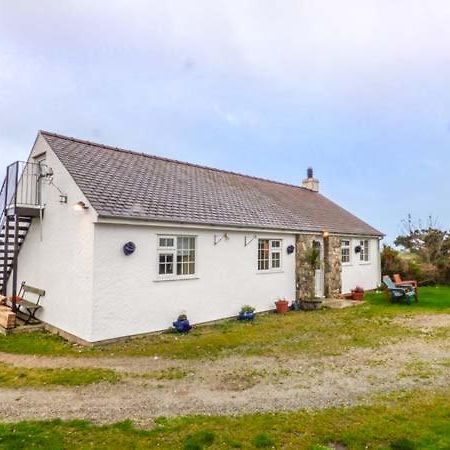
(129, 299)
(361, 273)
(60, 263)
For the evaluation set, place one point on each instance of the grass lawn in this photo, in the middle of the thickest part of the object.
(400, 421)
(314, 333)
(17, 377)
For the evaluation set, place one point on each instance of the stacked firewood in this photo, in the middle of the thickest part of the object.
(7, 317)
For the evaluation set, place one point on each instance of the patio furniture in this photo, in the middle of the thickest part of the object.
(27, 307)
(401, 283)
(399, 293)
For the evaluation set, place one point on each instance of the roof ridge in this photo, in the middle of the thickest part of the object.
(162, 158)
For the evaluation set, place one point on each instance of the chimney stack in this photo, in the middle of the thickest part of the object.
(310, 182)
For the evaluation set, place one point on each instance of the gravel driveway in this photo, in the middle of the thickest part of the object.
(234, 385)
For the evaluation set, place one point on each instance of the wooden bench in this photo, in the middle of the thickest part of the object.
(24, 305)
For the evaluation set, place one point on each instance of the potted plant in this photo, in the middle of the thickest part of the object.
(358, 293)
(282, 306)
(247, 313)
(312, 262)
(182, 324)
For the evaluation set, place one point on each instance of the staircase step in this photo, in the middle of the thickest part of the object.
(19, 228)
(11, 235)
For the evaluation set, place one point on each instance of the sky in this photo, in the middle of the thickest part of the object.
(357, 89)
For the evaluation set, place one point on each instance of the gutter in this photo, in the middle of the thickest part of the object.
(110, 219)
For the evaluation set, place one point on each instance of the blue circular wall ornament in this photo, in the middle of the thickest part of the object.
(129, 248)
(290, 249)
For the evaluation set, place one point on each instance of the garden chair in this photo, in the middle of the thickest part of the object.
(399, 293)
(403, 283)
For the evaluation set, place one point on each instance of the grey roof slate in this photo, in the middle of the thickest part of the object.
(126, 184)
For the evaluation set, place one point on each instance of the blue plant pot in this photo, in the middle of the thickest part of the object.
(246, 316)
(182, 326)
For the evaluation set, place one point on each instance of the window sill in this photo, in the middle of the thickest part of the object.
(365, 263)
(264, 272)
(177, 278)
(347, 264)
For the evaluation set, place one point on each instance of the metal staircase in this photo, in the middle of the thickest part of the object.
(20, 202)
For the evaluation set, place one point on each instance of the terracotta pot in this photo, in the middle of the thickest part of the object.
(282, 306)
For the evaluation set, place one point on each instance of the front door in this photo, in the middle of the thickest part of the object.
(319, 273)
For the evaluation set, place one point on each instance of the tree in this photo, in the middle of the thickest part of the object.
(428, 241)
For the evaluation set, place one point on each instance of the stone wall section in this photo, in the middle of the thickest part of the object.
(333, 266)
(303, 271)
(305, 275)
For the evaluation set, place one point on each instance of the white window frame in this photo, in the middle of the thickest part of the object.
(174, 251)
(276, 249)
(346, 247)
(364, 254)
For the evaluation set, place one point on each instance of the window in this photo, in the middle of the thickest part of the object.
(176, 255)
(364, 254)
(269, 254)
(345, 251)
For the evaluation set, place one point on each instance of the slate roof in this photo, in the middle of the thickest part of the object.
(124, 184)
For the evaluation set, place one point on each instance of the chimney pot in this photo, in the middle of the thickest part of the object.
(310, 182)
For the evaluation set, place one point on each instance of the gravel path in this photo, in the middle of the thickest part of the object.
(233, 385)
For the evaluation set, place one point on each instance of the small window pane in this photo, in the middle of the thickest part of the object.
(165, 263)
(166, 242)
(276, 260)
(263, 254)
(364, 254)
(345, 251)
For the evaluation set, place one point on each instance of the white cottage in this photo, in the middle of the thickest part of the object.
(123, 242)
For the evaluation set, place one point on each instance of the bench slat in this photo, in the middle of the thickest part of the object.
(33, 290)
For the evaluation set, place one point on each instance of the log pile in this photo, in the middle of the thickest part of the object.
(7, 317)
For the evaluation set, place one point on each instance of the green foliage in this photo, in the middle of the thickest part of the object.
(417, 420)
(430, 246)
(312, 257)
(15, 377)
(247, 309)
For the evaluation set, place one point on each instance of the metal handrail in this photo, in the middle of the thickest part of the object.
(20, 187)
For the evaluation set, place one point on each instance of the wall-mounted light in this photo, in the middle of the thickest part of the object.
(62, 198)
(79, 206)
(326, 234)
